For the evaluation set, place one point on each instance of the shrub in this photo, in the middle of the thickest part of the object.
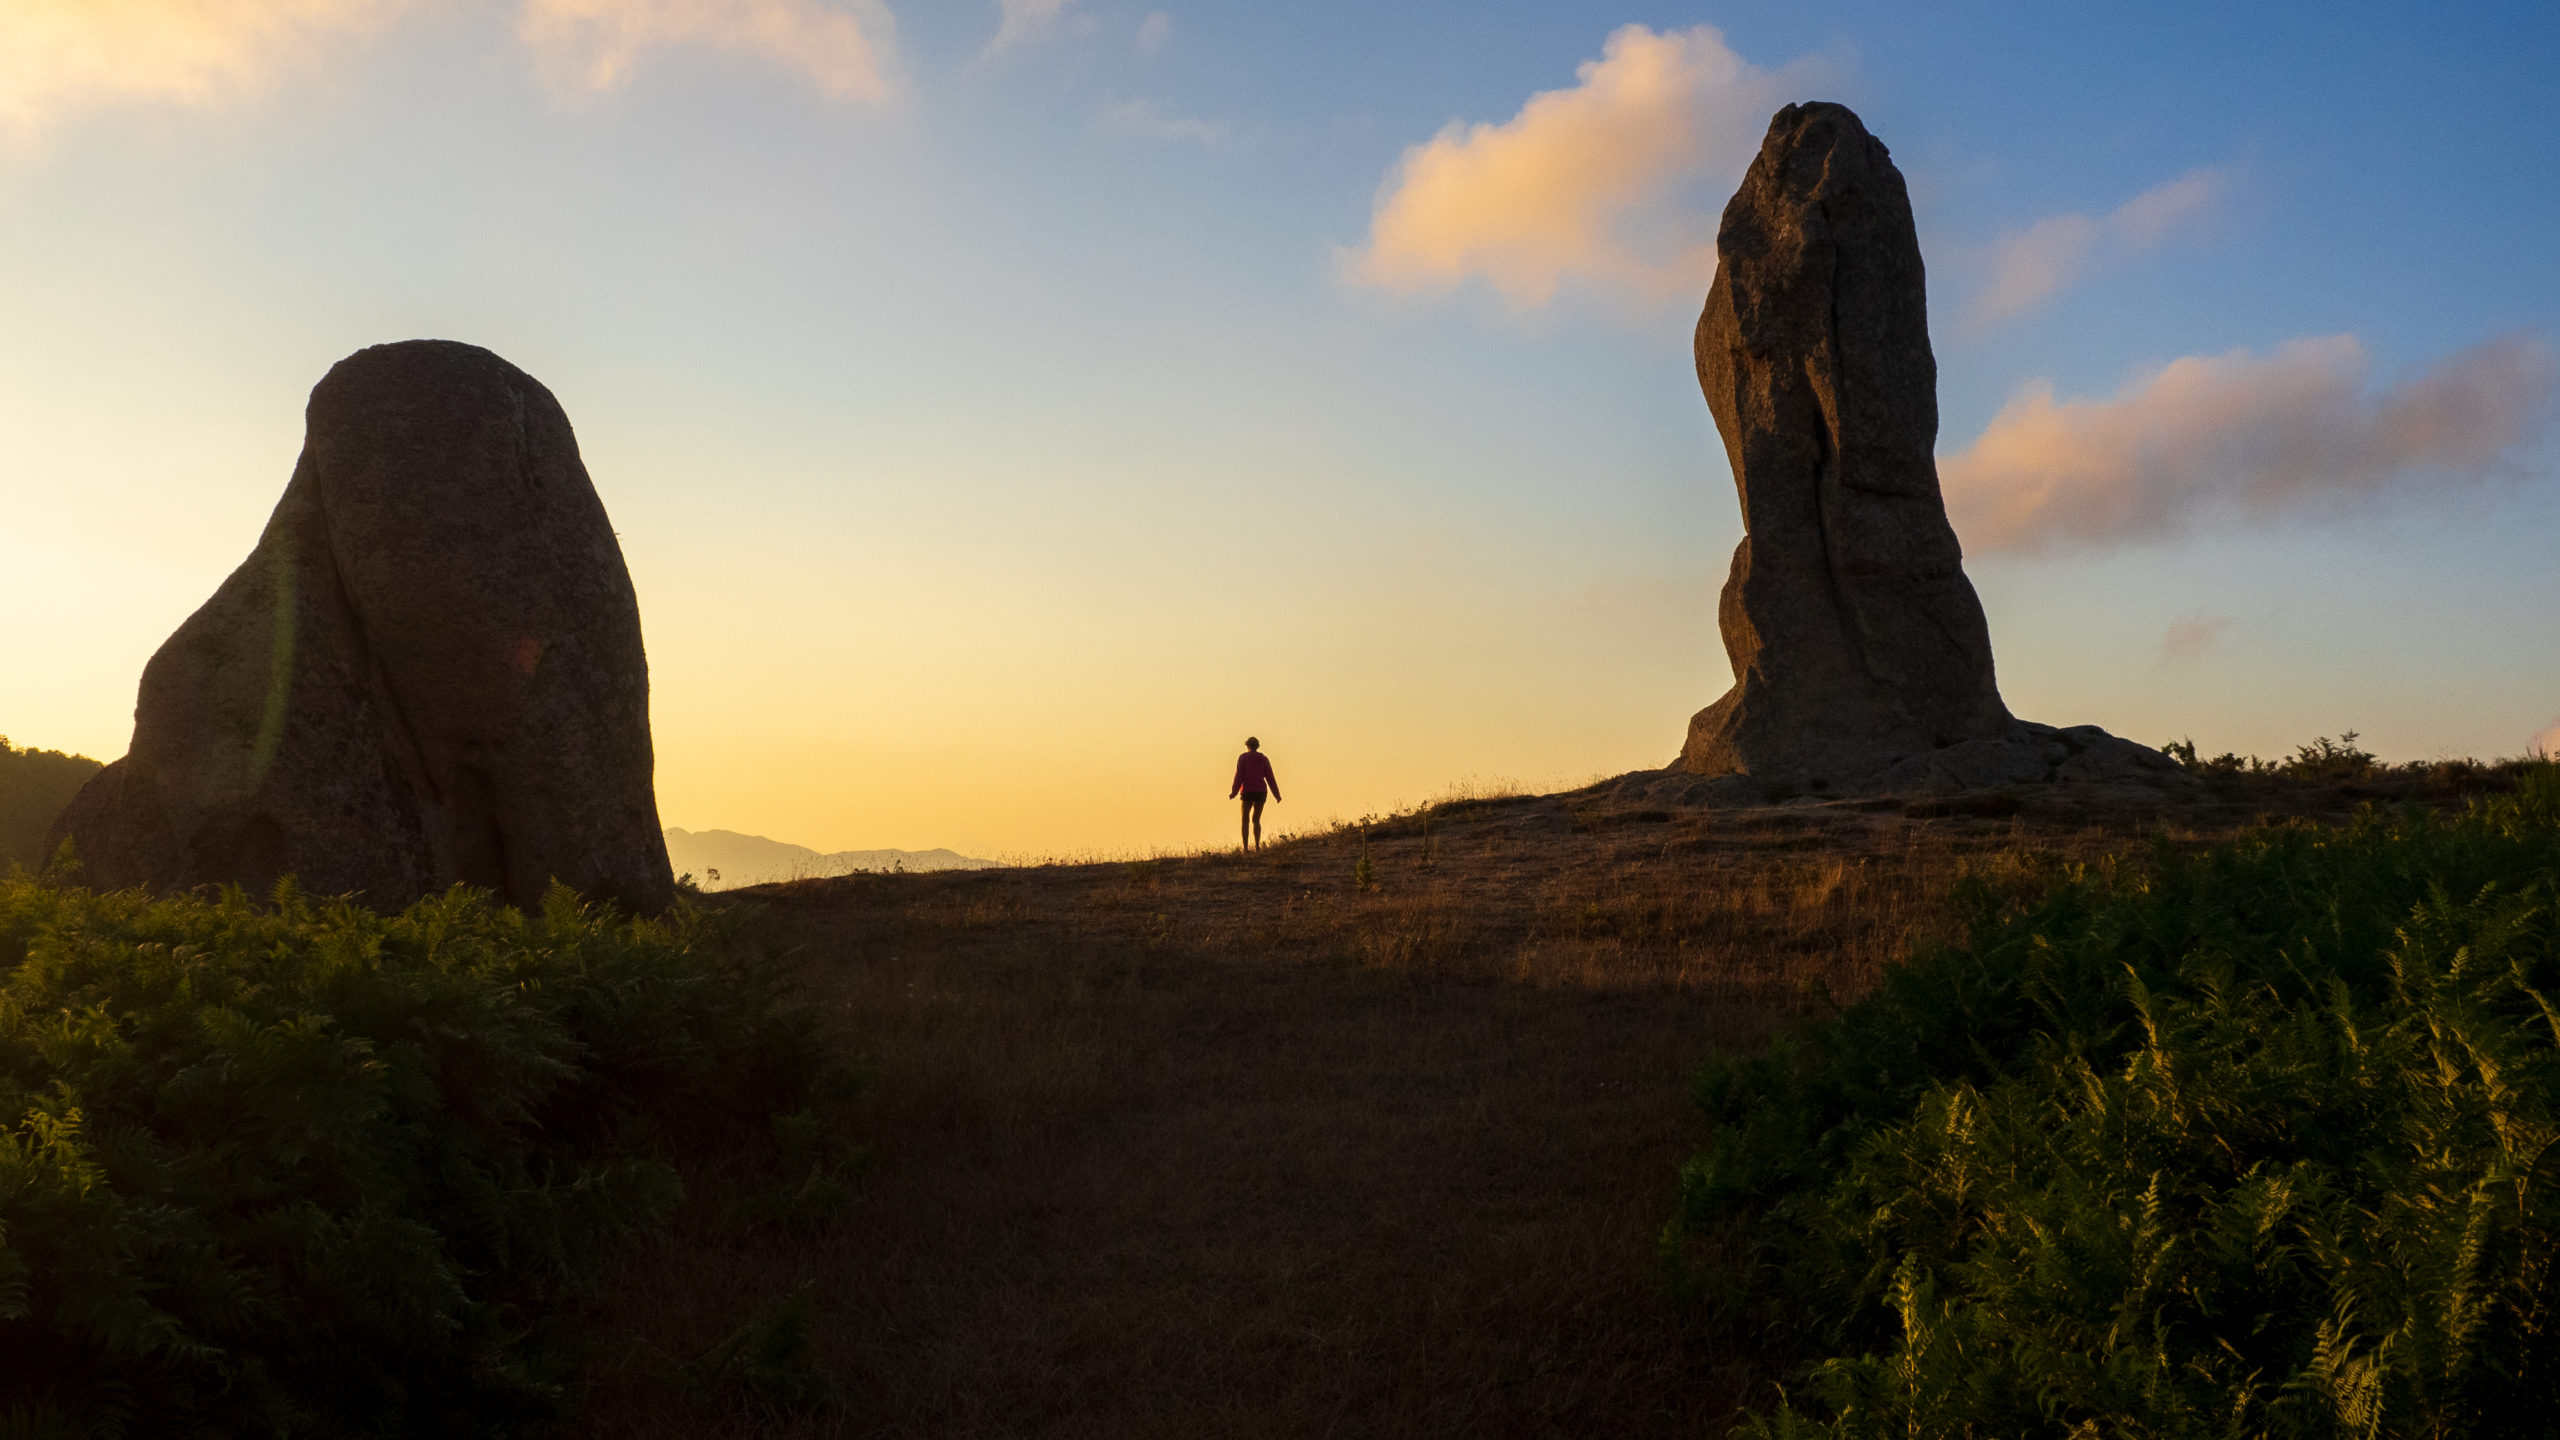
(34, 786)
(2331, 760)
(2257, 1141)
(296, 1168)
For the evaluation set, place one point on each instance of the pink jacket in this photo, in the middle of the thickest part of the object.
(1253, 772)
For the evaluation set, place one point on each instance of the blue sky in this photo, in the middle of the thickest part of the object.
(998, 432)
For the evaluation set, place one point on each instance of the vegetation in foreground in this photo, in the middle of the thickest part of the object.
(296, 1168)
(1366, 1134)
(2257, 1140)
(1287, 1144)
(1290, 1144)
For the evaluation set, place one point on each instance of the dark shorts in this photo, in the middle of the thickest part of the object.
(1252, 798)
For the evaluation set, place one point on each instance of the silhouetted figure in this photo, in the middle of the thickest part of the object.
(1253, 777)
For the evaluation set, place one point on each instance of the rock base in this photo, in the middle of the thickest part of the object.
(2021, 754)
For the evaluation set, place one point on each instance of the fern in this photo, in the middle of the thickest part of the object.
(2262, 1141)
(297, 1168)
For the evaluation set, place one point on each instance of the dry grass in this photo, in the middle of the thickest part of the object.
(1285, 1145)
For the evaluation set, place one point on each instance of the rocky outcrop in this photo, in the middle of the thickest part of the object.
(429, 670)
(1861, 659)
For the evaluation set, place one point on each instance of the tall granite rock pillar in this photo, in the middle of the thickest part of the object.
(1856, 640)
(429, 670)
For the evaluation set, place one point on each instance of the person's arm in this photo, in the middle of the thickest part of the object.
(1271, 775)
(1238, 783)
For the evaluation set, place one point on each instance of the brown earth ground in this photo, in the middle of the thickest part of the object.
(1292, 1145)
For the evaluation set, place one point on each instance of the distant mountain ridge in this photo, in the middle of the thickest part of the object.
(754, 860)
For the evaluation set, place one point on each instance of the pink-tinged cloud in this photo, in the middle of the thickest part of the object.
(1592, 183)
(845, 50)
(2547, 744)
(59, 58)
(2191, 636)
(2032, 265)
(2214, 440)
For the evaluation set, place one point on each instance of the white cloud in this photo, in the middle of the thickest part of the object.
(61, 57)
(845, 50)
(2211, 440)
(1153, 32)
(2032, 265)
(1025, 21)
(1591, 184)
(2547, 744)
(1139, 117)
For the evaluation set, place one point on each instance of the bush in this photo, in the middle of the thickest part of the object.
(2342, 769)
(301, 1169)
(2339, 760)
(34, 786)
(2258, 1141)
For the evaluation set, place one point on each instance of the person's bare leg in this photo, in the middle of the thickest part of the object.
(1244, 827)
(1257, 827)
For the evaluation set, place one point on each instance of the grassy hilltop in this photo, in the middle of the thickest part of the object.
(1378, 1132)
(2017, 1117)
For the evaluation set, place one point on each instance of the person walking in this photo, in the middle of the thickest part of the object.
(1253, 777)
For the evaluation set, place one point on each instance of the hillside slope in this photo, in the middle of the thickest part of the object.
(1372, 1133)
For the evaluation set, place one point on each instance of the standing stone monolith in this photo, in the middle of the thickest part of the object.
(1861, 659)
(429, 670)
(1855, 638)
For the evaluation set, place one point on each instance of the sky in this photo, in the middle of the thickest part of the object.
(1007, 407)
